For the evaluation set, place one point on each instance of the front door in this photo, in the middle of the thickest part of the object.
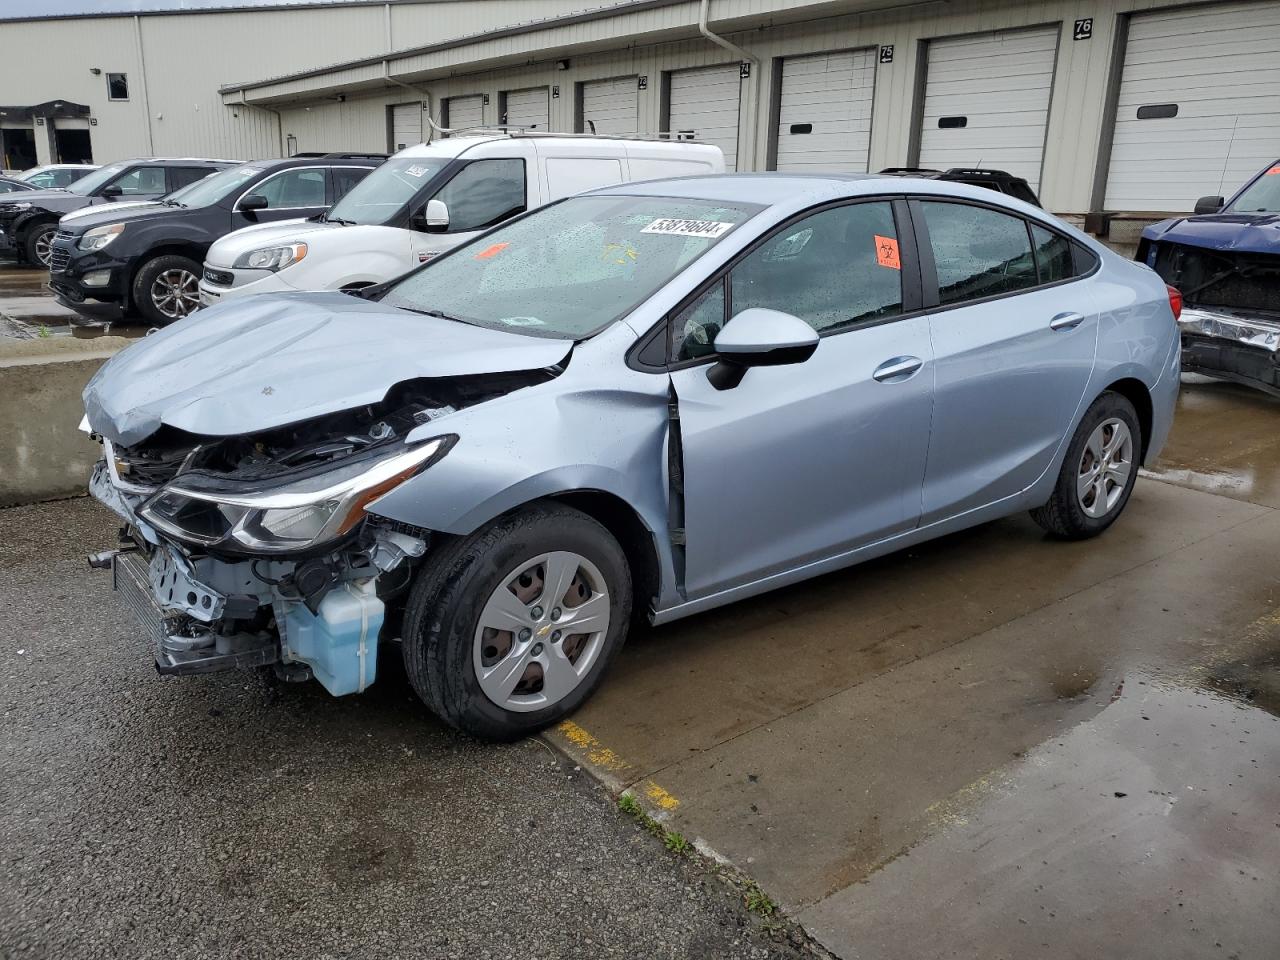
(293, 194)
(1015, 335)
(478, 196)
(802, 462)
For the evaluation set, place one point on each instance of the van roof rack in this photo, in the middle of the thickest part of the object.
(508, 130)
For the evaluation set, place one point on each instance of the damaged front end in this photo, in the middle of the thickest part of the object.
(1230, 321)
(257, 551)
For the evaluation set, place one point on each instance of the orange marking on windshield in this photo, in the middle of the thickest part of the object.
(492, 251)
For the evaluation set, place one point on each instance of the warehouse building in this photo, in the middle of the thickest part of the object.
(1115, 111)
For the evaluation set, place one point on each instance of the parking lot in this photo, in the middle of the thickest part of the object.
(991, 745)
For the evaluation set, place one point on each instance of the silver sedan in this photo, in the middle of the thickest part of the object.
(656, 398)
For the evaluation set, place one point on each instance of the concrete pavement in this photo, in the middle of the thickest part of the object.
(927, 755)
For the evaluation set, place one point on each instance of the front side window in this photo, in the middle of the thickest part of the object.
(180, 177)
(833, 269)
(117, 86)
(977, 251)
(141, 181)
(381, 196)
(484, 193)
(572, 268)
(293, 189)
(694, 329)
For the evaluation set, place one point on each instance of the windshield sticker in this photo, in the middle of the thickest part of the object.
(415, 170)
(521, 321)
(688, 228)
(490, 252)
(887, 252)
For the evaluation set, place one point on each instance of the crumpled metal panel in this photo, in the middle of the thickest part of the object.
(1229, 325)
(276, 359)
(1223, 232)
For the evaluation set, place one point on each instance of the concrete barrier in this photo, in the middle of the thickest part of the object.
(43, 455)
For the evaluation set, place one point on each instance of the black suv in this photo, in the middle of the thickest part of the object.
(28, 222)
(997, 180)
(148, 257)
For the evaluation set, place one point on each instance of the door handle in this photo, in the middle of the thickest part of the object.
(897, 369)
(1066, 321)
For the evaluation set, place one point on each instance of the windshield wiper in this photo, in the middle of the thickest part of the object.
(174, 203)
(437, 313)
(325, 218)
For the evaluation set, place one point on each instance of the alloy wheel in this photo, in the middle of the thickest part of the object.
(175, 293)
(541, 631)
(44, 248)
(1105, 468)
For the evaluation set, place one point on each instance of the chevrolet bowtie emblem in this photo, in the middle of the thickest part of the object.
(543, 631)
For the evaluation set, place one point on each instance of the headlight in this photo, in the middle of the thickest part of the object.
(272, 258)
(99, 237)
(289, 517)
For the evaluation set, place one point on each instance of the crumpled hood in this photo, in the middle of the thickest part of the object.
(1233, 232)
(273, 359)
(226, 250)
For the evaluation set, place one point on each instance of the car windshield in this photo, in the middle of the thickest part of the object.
(1261, 196)
(213, 188)
(570, 269)
(381, 195)
(86, 185)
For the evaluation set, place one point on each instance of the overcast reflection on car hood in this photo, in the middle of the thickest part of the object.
(274, 359)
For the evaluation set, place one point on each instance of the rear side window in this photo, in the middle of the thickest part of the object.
(1053, 255)
(141, 181)
(978, 252)
(180, 177)
(344, 178)
(484, 193)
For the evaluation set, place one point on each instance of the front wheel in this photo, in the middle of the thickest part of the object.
(509, 629)
(39, 244)
(167, 288)
(1098, 473)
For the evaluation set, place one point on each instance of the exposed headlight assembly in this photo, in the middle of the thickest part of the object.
(289, 517)
(272, 258)
(99, 237)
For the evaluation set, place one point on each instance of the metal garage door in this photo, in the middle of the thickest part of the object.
(406, 125)
(704, 106)
(986, 101)
(1198, 110)
(824, 116)
(612, 105)
(465, 112)
(527, 109)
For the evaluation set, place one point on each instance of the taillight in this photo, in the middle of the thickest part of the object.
(1175, 301)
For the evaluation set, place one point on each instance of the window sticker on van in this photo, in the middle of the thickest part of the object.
(416, 170)
(688, 228)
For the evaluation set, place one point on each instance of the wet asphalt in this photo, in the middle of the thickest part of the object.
(228, 817)
(28, 310)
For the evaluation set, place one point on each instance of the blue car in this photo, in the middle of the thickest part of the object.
(1225, 259)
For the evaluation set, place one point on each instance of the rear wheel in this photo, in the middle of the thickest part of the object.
(167, 288)
(1098, 473)
(39, 244)
(511, 628)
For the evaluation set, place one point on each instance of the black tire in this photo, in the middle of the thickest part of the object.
(446, 601)
(1063, 516)
(38, 235)
(144, 280)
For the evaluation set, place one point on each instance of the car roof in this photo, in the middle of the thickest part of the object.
(776, 189)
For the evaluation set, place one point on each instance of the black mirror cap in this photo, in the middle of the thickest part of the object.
(254, 201)
(729, 369)
(112, 191)
(1209, 205)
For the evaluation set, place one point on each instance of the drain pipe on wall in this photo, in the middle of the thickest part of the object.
(426, 99)
(279, 120)
(704, 14)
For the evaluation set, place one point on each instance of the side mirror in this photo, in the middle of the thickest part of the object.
(758, 337)
(1209, 204)
(112, 191)
(253, 203)
(434, 218)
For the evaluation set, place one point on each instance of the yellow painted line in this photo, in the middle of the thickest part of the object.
(596, 754)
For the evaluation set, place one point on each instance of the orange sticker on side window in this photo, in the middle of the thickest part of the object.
(492, 251)
(1274, 171)
(887, 252)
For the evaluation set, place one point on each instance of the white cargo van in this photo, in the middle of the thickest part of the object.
(429, 198)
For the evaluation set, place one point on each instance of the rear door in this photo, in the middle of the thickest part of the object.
(802, 462)
(1014, 333)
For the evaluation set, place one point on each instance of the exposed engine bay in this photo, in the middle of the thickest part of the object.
(256, 550)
